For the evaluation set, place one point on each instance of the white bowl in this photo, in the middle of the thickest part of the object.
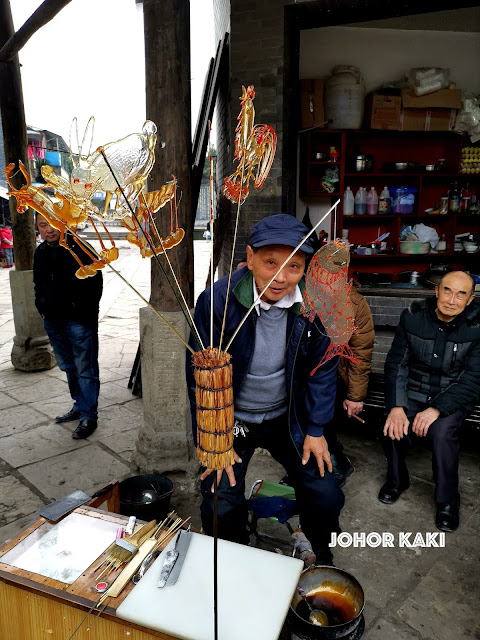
(470, 247)
(414, 247)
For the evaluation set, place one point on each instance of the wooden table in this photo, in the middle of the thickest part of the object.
(33, 607)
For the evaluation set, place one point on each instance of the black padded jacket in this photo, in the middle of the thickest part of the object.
(59, 295)
(434, 362)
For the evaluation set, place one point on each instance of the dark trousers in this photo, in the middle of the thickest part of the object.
(76, 350)
(330, 430)
(8, 255)
(319, 500)
(443, 436)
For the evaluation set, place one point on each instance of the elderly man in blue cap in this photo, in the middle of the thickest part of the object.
(279, 406)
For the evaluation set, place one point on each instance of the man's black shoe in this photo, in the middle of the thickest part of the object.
(342, 467)
(391, 491)
(447, 518)
(73, 414)
(85, 428)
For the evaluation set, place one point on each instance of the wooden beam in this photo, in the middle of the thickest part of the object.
(45, 12)
(167, 69)
(15, 141)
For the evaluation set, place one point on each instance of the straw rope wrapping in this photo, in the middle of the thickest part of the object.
(327, 295)
(214, 400)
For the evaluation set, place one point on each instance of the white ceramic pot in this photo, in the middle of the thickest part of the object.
(344, 98)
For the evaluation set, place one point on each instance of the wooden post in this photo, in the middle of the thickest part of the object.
(15, 141)
(167, 61)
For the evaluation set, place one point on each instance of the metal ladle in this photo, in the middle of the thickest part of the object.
(317, 617)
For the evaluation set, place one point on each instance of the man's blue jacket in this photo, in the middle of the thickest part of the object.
(311, 399)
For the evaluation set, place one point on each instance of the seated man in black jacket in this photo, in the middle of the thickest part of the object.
(432, 378)
(69, 307)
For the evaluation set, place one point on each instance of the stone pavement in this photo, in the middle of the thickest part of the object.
(430, 593)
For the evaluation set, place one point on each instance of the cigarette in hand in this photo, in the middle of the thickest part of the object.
(358, 418)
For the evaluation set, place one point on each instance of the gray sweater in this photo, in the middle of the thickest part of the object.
(263, 393)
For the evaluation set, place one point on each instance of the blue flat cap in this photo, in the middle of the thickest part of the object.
(280, 229)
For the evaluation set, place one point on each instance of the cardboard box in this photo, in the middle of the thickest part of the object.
(383, 111)
(311, 98)
(427, 119)
(445, 98)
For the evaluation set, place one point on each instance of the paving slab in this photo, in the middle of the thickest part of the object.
(46, 387)
(54, 407)
(122, 443)
(115, 393)
(19, 418)
(6, 401)
(9, 531)
(109, 375)
(37, 444)
(444, 604)
(10, 378)
(113, 420)
(89, 468)
(385, 630)
(16, 500)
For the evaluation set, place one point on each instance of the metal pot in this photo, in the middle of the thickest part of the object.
(360, 163)
(410, 277)
(335, 583)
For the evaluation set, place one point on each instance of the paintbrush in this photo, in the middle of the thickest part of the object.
(123, 549)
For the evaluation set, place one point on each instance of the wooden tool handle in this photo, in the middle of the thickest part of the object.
(143, 531)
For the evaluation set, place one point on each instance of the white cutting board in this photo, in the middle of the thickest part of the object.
(255, 588)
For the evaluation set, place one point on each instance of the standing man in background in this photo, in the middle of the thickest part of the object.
(7, 244)
(69, 307)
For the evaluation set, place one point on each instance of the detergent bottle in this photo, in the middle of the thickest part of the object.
(348, 202)
(360, 206)
(372, 202)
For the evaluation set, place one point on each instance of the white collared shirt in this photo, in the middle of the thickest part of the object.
(284, 303)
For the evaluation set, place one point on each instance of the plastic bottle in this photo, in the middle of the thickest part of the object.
(385, 201)
(465, 200)
(441, 244)
(372, 202)
(348, 202)
(360, 206)
(454, 202)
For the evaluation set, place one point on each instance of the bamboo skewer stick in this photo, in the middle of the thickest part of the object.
(279, 270)
(185, 311)
(210, 166)
(231, 259)
(170, 326)
(152, 221)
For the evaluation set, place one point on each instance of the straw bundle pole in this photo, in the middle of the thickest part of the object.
(214, 399)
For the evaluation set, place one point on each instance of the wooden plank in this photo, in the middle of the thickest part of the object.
(33, 616)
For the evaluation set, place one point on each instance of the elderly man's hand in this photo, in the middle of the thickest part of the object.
(423, 420)
(319, 448)
(396, 425)
(228, 471)
(352, 408)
